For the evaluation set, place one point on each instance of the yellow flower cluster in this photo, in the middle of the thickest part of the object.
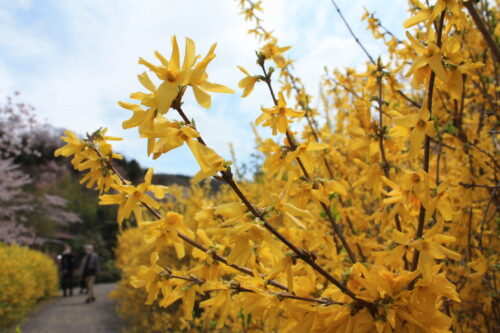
(164, 135)
(131, 252)
(28, 276)
(381, 219)
(92, 156)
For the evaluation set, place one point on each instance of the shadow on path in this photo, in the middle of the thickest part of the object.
(72, 315)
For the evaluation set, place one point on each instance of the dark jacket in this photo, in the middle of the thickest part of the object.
(90, 265)
(68, 262)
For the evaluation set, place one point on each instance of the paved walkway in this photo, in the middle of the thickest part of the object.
(72, 315)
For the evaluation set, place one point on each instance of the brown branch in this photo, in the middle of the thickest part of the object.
(186, 238)
(438, 162)
(440, 142)
(293, 146)
(427, 144)
(462, 104)
(471, 185)
(304, 255)
(314, 131)
(352, 32)
(481, 86)
(381, 132)
(281, 295)
(386, 31)
(167, 273)
(346, 88)
(412, 102)
(490, 40)
(236, 287)
(366, 52)
(485, 217)
(493, 159)
(469, 235)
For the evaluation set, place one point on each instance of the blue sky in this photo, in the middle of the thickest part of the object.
(73, 60)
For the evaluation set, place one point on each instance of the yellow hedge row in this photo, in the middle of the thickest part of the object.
(26, 277)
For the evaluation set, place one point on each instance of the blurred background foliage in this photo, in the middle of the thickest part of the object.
(43, 204)
(28, 277)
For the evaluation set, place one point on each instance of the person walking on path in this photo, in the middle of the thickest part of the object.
(68, 263)
(83, 285)
(89, 269)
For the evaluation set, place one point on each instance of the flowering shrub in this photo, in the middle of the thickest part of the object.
(131, 253)
(375, 213)
(29, 209)
(27, 277)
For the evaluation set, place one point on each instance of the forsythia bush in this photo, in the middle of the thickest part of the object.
(27, 276)
(131, 253)
(375, 213)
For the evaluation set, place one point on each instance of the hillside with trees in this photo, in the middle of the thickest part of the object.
(43, 203)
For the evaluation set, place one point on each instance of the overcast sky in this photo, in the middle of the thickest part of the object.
(73, 60)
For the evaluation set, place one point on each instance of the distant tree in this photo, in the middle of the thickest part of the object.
(17, 120)
(15, 205)
(29, 208)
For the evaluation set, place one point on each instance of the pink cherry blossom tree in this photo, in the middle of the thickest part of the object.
(26, 200)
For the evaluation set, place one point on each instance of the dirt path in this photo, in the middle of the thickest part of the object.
(72, 315)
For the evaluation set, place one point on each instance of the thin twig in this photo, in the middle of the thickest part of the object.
(352, 32)
(293, 146)
(427, 144)
(485, 216)
(438, 161)
(186, 238)
(315, 133)
(281, 295)
(236, 287)
(471, 185)
(490, 40)
(386, 166)
(469, 236)
(304, 255)
(366, 52)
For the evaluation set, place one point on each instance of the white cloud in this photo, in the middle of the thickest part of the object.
(77, 58)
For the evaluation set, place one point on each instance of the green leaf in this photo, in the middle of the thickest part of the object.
(449, 128)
